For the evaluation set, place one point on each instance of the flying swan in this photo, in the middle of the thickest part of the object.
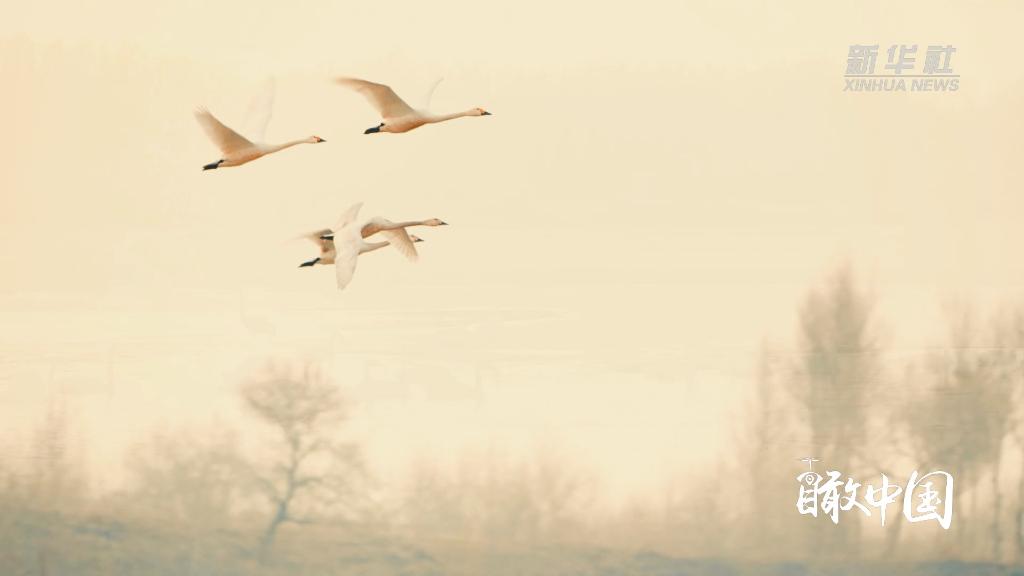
(324, 239)
(345, 242)
(398, 116)
(236, 149)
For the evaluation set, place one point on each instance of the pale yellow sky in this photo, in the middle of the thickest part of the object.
(658, 188)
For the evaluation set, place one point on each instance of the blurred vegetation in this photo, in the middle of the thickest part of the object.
(305, 501)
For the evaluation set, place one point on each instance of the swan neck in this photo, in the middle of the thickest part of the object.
(452, 116)
(399, 225)
(278, 147)
(371, 246)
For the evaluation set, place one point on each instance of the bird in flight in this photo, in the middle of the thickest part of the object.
(236, 149)
(324, 239)
(343, 244)
(396, 115)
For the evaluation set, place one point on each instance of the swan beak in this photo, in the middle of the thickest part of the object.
(319, 140)
(443, 224)
(373, 130)
(486, 113)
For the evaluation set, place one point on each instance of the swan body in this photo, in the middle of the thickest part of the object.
(398, 116)
(235, 148)
(348, 245)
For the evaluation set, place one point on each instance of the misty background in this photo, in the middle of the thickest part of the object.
(680, 259)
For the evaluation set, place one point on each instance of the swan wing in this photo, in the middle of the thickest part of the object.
(349, 216)
(400, 240)
(260, 110)
(316, 235)
(381, 97)
(345, 264)
(396, 237)
(223, 137)
(429, 94)
(326, 245)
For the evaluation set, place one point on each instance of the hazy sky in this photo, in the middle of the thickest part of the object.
(659, 186)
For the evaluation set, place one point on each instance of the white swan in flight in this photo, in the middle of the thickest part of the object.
(398, 116)
(345, 242)
(324, 239)
(236, 149)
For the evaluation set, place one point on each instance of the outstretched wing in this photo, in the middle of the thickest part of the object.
(345, 265)
(223, 137)
(396, 237)
(349, 216)
(326, 244)
(429, 95)
(260, 109)
(381, 97)
(400, 240)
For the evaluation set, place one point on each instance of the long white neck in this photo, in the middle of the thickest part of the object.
(433, 119)
(397, 225)
(271, 148)
(371, 246)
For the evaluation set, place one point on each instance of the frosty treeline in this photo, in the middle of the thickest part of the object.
(301, 495)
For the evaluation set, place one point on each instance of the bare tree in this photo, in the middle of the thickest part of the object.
(1002, 401)
(833, 382)
(561, 493)
(56, 476)
(1010, 344)
(998, 397)
(434, 505)
(196, 480)
(498, 499)
(769, 448)
(959, 422)
(312, 468)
